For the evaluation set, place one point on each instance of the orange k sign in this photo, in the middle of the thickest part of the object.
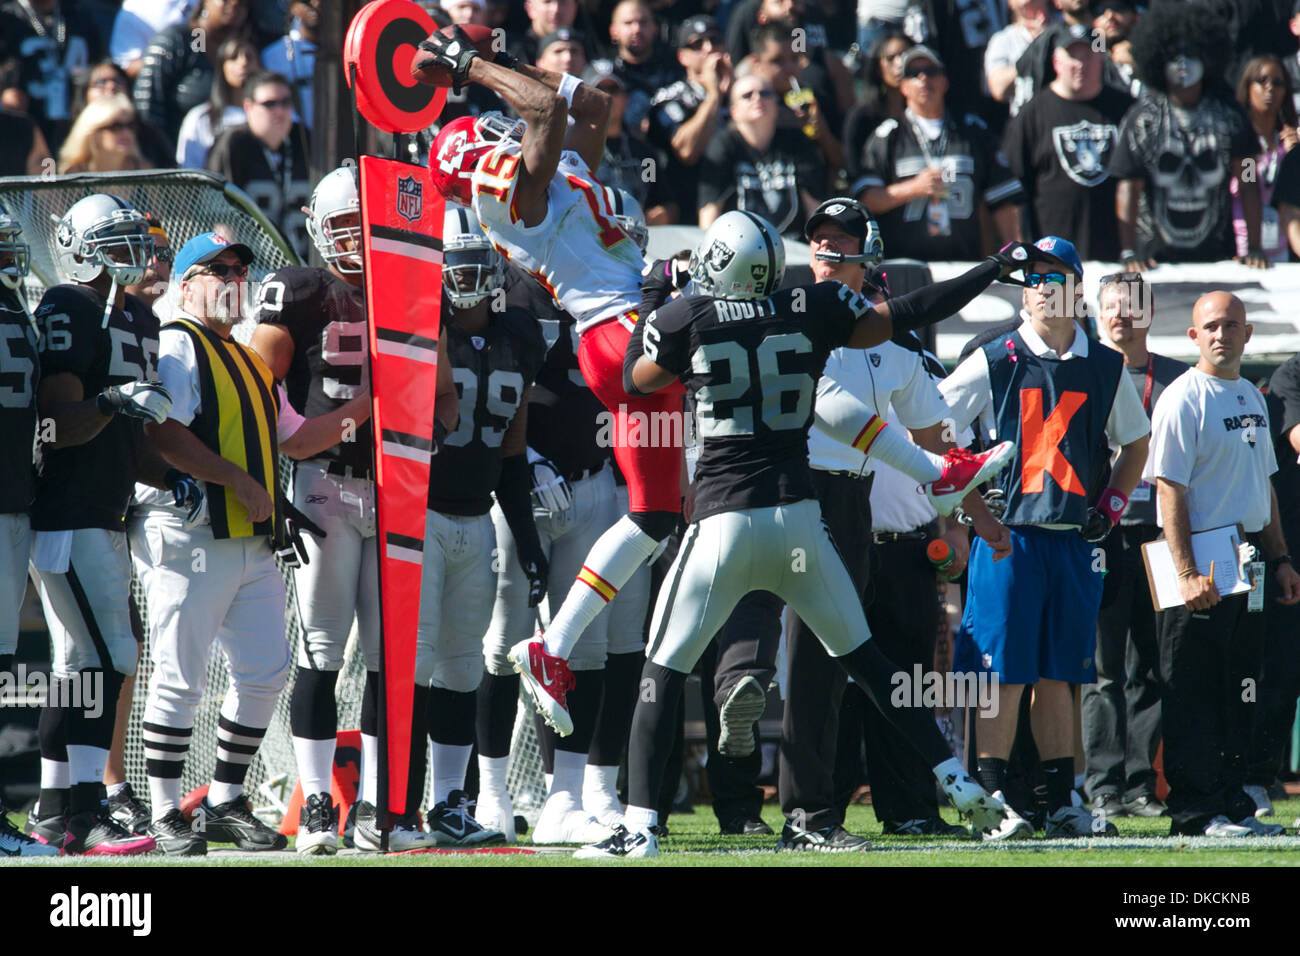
(1040, 441)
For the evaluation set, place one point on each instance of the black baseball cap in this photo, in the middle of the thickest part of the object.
(696, 26)
(1101, 6)
(601, 71)
(849, 214)
(1067, 34)
(561, 35)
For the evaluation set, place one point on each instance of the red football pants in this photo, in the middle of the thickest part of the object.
(646, 431)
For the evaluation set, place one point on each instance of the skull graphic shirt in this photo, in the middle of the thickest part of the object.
(1185, 158)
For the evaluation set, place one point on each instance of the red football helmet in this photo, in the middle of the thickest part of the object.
(461, 145)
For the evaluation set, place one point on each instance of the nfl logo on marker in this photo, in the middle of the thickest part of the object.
(410, 198)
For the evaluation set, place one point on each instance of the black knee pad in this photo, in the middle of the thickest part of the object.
(657, 524)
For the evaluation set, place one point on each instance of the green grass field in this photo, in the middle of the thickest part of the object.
(694, 841)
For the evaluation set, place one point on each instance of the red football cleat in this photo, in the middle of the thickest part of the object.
(963, 470)
(98, 834)
(548, 681)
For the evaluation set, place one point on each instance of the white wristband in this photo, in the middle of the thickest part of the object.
(568, 85)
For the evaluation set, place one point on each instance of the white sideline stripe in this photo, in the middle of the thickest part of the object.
(398, 553)
(415, 353)
(408, 250)
(405, 451)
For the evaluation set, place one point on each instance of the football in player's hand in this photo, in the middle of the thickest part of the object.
(430, 68)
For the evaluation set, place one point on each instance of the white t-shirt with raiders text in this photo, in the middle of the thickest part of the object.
(1211, 435)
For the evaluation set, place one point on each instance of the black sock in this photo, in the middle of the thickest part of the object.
(450, 717)
(370, 705)
(545, 743)
(654, 723)
(313, 711)
(52, 732)
(497, 703)
(584, 707)
(992, 773)
(622, 678)
(419, 749)
(1059, 776)
(874, 673)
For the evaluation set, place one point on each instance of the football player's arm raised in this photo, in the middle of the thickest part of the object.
(649, 344)
(546, 114)
(928, 304)
(590, 112)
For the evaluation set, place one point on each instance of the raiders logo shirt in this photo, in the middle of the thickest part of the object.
(1060, 149)
(1185, 158)
(765, 182)
(751, 367)
(1212, 436)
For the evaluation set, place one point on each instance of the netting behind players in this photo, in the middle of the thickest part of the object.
(190, 202)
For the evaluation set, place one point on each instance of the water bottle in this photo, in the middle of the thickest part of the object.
(941, 558)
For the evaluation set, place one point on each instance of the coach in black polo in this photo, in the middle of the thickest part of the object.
(1211, 458)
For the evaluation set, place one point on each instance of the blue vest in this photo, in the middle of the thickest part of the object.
(1056, 414)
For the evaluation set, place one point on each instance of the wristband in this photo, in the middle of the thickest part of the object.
(568, 86)
(1281, 559)
(1112, 504)
(1128, 255)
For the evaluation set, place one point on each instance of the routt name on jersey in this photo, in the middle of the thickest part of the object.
(326, 318)
(751, 368)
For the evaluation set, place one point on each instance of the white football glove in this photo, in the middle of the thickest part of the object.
(551, 494)
(145, 401)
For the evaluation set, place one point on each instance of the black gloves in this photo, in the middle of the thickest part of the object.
(187, 492)
(288, 544)
(453, 53)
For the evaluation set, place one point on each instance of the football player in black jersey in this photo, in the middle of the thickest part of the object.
(99, 349)
(751, 361)
(19, 371)
(312, 334)
(495, 354)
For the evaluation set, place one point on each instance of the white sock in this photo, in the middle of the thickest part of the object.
(114, 788)
(315, 759)
(600, 790)
(86, 763)
(369, 769)
(492, 773)
(613, 559)
(891, 445)
(950, 766)
(55, 774)
(164, 795)
(447, 766)
(569, 771)
(220, 792)
(637, 819)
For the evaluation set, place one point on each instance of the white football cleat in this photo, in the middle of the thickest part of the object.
(1013, 827)
(1260, 828)
(622, 844)
(548, 681)
(569, 826)
(742, 708)
(986, 811)
(1221, 826)
(496, 812)
(963, 471)
(318, 827)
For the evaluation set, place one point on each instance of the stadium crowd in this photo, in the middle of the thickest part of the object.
(937, 130)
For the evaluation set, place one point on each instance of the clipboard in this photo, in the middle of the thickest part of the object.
(1222, 546)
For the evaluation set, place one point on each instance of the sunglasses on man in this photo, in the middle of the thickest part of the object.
(1035, 279)
(222, 269)
(913, 72)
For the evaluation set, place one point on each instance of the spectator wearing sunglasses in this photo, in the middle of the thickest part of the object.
(755, 167)
(1059, 144)
(267, 157)
(929, 176)
(158, 273)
